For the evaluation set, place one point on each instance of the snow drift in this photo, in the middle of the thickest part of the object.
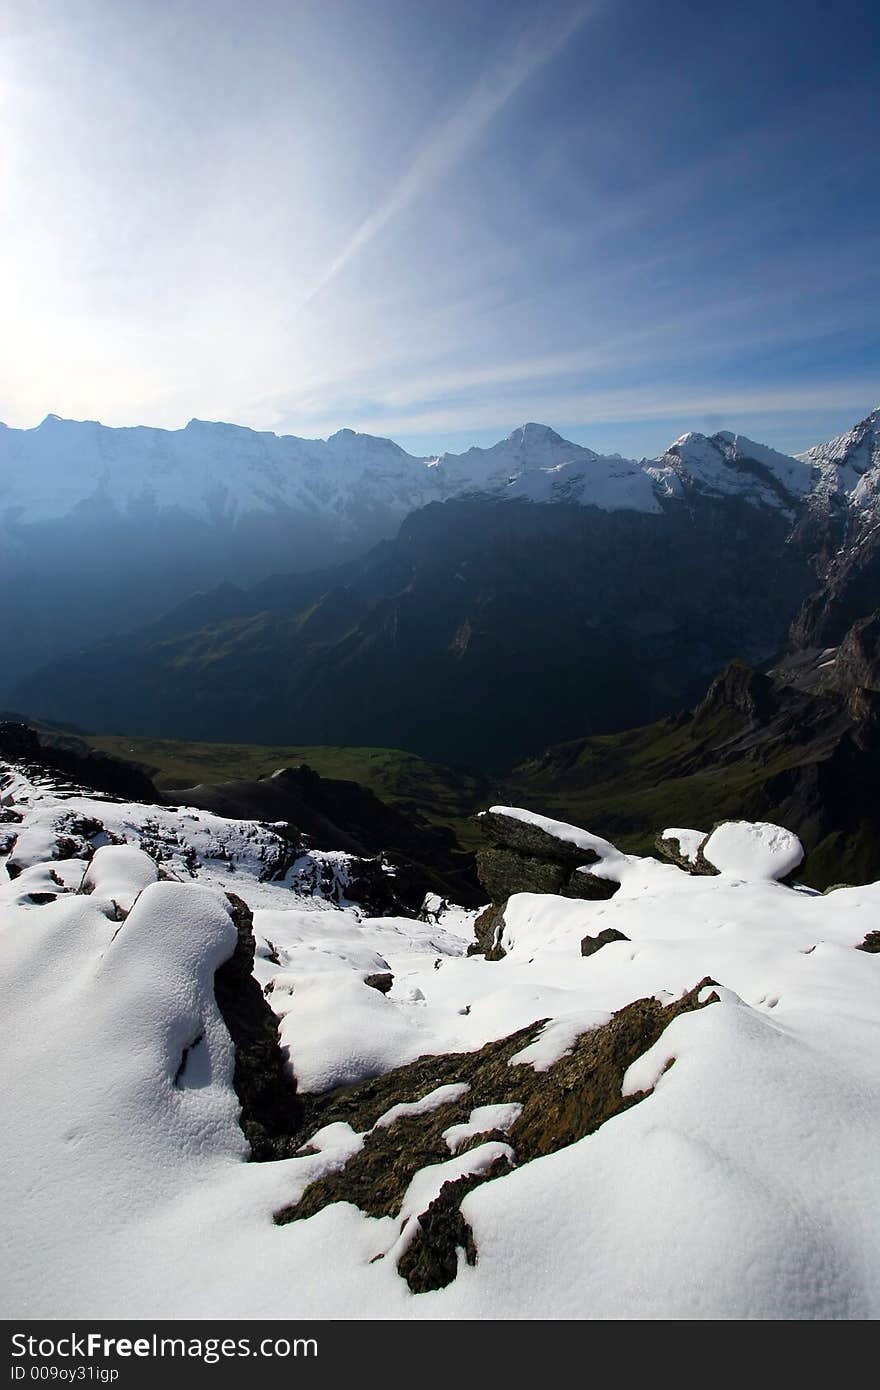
(735, 1177)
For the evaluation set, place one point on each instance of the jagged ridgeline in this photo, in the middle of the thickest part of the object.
(526, 593)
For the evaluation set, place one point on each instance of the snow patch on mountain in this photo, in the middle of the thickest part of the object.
(728, 465)
(611, 484)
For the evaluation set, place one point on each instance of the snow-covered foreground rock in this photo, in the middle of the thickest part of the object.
(681, 1124)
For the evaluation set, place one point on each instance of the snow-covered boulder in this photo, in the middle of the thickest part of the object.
(118, 873)
(753, 849)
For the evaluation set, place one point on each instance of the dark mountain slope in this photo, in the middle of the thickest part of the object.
(803, 755)
(485, 631)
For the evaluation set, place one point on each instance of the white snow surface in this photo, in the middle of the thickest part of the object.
(745, 1184)
(119, 873)
(482, 1120)
(432, 1101)
(753, 849)
(557, 1038)
(728, 464)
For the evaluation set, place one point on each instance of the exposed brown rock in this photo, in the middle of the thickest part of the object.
(488, 928)
(524, 858)
(531, 841)
(572, 1098)
(503, 871)
(382, 981)
(670, 849)
(591, 944)
(430, 1261)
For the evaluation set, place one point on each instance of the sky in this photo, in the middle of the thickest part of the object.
(437, 219)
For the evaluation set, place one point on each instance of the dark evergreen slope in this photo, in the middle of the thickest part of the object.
(485, 631)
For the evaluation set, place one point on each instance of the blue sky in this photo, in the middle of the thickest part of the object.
(437, 220)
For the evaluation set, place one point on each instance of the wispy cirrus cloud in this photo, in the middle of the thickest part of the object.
(450, 142)
(407, 394)
(437, 221)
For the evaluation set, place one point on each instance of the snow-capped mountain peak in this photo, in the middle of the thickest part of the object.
(731, 464)
(849, 466)
(860, 445)
(531, 435)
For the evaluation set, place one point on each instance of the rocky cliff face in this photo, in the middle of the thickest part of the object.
(849, 588)
(70, 759)
(840, 529)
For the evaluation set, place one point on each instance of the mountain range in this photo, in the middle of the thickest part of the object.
(524, 594)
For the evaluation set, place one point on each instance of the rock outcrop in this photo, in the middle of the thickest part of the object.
(858, 657)
(683, 849)
(271, 1111)
(77, 764)
(554, 1107)
(523, 857)
(526, 856)
(591, 944)
(738, 691)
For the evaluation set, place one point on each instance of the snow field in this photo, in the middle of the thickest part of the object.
(744, 1185)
